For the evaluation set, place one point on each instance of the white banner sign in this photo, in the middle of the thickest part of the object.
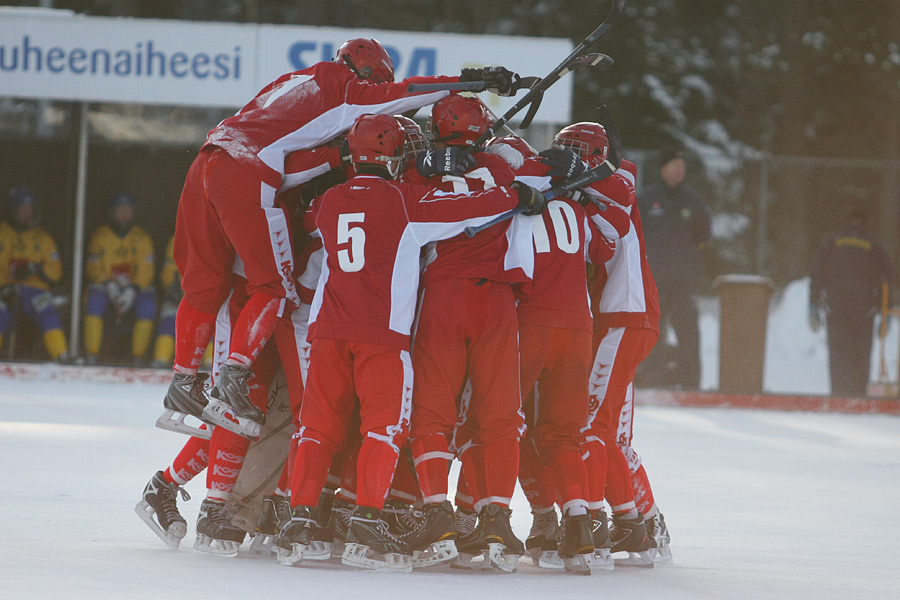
(54, 55)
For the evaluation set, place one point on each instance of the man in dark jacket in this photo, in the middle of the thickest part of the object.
(846, 279)
(676, 228)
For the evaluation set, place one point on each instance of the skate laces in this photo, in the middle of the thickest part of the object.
(544, 525)
(465, 522)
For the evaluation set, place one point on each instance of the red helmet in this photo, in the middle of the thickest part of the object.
(458, 120)
(415, 139)
(516, 142)
(377, 140)
(368, 59)
(587, 140)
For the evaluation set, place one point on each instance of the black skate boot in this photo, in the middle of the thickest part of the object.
(501, 549)
(630, 535)
(297, 539)
(600, 531)
(186, 396)
(158, 508)
(433, 542)
(658, 533)
(229, 402)
(541, 540)
(401, 517)
(577, 544)
(371, 545)
(215, 532)
(275, 512)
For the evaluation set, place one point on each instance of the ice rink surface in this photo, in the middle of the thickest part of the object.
(759, 504)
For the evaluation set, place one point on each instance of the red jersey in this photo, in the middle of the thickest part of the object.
(623, 291)
(564, 238)
(305, 109)
(500, 253)
(372, 231)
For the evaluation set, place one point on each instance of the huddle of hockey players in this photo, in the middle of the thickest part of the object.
(429, 300)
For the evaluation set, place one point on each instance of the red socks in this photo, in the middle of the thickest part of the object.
(193, 331)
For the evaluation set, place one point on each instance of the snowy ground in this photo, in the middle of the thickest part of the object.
(796, 357)
(760, 505)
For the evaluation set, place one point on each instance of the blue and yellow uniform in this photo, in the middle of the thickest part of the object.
(170, 281)
(29, 264)
(120, 269)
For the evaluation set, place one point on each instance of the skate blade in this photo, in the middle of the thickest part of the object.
(363, 557)
(221, 414)
(209, 545)
(550, 559)
(602, 560)
(641, 560)
(262, 544)
(292, 557)
(506, 563)
(661, 556)
(171, 538)
(580, 564)
(474, 562)
(318, 550)
(436, 553)
(171, 420)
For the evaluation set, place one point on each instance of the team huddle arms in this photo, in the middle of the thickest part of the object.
(431, 299)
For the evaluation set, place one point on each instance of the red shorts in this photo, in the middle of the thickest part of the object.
(555, 366)
(339, 372)
(225, 211)
(617, 353)
(467, 330)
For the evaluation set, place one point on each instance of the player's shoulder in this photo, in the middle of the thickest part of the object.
(139, 233)
(102, 233)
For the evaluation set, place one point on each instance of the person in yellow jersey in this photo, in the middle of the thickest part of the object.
(29, 265)
(170, 282)
(120, 269)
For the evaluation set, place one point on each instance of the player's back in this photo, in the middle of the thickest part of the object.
(370, 271)
(492, 253)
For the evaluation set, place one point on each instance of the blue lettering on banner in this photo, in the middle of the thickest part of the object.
(421, 61)
(146, 59)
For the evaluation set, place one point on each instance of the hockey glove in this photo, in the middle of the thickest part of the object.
(447, 161)
(25, 270)
(531, 201)
(563, 163)
(512, 156)
(126, 299)
(471, 75)
(501, 81)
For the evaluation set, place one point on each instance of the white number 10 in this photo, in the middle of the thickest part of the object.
(353, 259)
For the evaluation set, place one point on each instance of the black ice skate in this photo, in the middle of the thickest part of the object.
(185, 397)
(500, 548)
(159, 510)
(275, 512)
(371, 545)
(298, 539)
(215, 532)
(229, 403)
(433, 541)
(339, 524)
(541, 541)
(660, 551)
(401, 517)
(630, 535)
(577, 545)
(600, 530)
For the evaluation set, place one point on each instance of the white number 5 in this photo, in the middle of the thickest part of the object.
(353, 259)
